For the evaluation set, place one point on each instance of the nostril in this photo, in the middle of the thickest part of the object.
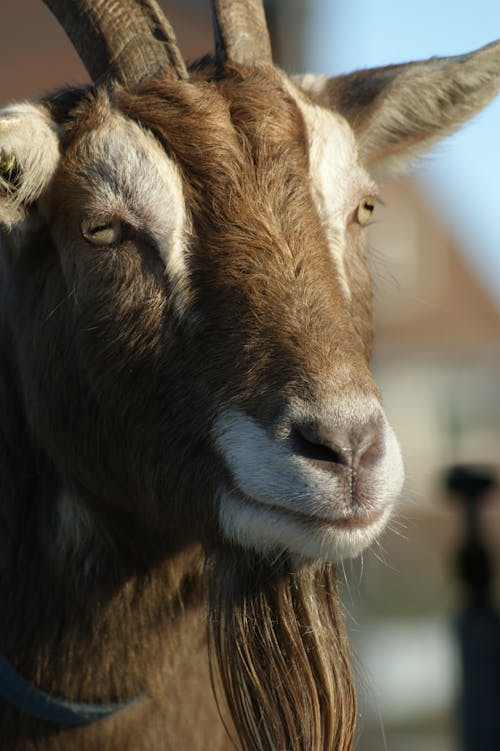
(369, 449)
(309, 442)
(328, 447)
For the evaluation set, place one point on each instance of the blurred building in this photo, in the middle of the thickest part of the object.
(438, 341)
(438, 366)
(36, 56)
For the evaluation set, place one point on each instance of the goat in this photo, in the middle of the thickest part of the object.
(191, 438)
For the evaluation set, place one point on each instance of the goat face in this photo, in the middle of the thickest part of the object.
(189, 298)
(195, 269)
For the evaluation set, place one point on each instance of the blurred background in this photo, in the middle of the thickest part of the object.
(436, 266)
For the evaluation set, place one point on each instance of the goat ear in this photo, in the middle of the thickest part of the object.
(399, 111)
(29, 155)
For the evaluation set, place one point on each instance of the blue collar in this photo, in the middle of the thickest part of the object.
(18, 691)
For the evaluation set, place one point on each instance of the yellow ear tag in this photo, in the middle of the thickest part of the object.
(7, 164)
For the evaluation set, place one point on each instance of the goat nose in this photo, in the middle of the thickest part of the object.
(330, 447)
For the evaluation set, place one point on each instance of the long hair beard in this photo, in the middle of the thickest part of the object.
(278, 650)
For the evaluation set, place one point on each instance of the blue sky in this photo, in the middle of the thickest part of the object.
(463, 174)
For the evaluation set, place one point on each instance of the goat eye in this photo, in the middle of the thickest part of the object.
(101, 232)
(365, 211)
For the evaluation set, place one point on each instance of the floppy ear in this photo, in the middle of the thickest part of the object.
(399, 111)
(29, 155)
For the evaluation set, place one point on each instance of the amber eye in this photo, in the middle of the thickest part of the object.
(365, 211)
(101, 231)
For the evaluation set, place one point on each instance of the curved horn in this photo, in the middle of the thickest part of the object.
(241, 31)
(127, 40)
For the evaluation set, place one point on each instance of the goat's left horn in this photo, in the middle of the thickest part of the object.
(241, 33)
(128, 40)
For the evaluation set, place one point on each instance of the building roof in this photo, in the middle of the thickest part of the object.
(426, 294)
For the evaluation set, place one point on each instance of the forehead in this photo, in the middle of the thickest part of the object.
(131, 154)
(243, 185)
(251, 136)
(215, 122)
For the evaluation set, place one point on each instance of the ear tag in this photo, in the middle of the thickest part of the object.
(7, 164)
(8, 172)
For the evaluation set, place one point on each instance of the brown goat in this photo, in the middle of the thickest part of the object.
(190, 436)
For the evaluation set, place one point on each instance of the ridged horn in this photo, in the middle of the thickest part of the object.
(241, 33)
(127, 40)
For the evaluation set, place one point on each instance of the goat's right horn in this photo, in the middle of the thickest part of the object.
(127, 40)
(241, 31)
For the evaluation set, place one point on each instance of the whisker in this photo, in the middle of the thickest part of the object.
(61, 302)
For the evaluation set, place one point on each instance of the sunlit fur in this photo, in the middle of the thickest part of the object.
(29, 135)
(423, 102)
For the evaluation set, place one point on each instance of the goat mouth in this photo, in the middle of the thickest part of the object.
(357, 519)
(268, 527)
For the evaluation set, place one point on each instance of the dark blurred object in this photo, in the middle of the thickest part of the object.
(478, 625)
(471, 485)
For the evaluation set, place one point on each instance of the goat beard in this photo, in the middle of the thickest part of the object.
(279, 656)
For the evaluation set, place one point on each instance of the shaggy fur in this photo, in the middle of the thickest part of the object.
(288, 682)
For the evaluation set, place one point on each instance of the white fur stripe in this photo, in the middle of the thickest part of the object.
(132, 177)
(338, 180)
